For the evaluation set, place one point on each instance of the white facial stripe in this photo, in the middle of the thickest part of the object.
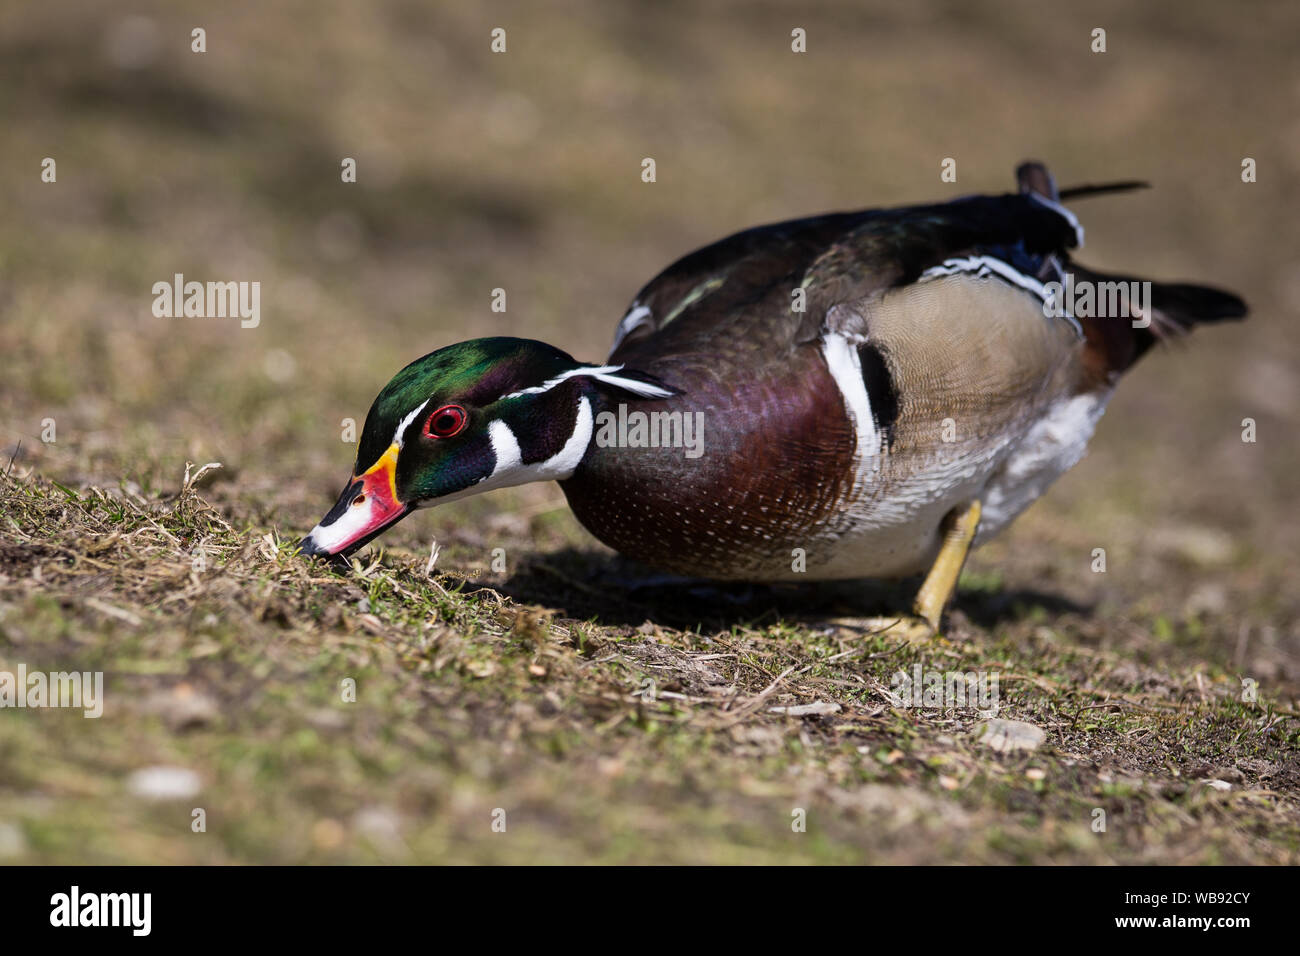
(562, 377)
(603, 373)
(846, 368)
(402, 425)
(984, 266)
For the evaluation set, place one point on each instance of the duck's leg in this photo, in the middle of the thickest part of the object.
(959, 531)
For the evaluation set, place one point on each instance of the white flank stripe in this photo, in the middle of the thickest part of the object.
(846, 368)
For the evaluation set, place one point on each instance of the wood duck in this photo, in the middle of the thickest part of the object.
(862, 394)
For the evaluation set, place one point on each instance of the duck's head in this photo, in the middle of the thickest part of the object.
(483, 414)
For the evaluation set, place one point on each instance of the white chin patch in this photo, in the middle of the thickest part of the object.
(350, 526)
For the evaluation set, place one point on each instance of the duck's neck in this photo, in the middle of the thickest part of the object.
(557, 431)
(545, 438)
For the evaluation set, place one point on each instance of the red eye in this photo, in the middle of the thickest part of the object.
(446, 421)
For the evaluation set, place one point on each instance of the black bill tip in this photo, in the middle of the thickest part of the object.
(309, 548)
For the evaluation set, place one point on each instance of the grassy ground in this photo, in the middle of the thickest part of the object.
(610, 715)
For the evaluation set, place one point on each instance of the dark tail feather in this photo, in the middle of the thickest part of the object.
(1174, 308)
(1101, 189)
(1186, 305)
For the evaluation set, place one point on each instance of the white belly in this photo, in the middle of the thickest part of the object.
(1052, 447)
(899, 533)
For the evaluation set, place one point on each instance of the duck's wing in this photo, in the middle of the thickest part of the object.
(773, 287)
(977, 269)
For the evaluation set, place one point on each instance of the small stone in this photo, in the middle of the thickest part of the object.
(1197, 545)
(183, 707)
(381, 826)
(328, 834)
(1263, 768)
(1008, 736)
(1210, 598)
(1219, 784)
(327, 718)
(482, 668)
(12, 842)
(164, 783)
(609, 767)
(807, 710)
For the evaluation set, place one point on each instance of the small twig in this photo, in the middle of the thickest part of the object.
(751, 706)
(189, 482)
(104, 608)
(12, 458)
